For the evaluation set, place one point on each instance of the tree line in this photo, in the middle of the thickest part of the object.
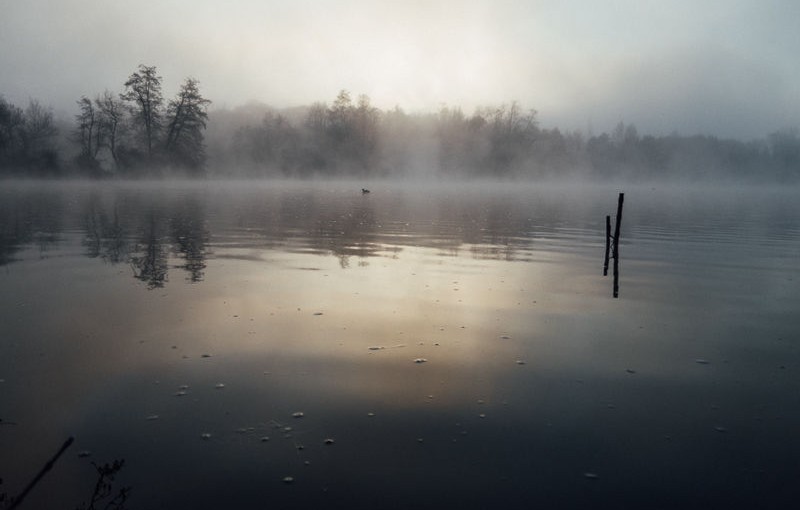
(136, 133)
(352, 138)
(130, 134)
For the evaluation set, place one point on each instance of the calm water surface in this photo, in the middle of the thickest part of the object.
(458, 344)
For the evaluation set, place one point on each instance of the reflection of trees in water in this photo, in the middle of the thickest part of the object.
(377, 225)
(34, 219)
(144, 232)
(335, 225)
(348, 233)
(158, 230)
(190, 238)
(182, 224)
(105, 237)
(149, 260)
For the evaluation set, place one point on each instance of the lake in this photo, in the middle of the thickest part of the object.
(305, 345)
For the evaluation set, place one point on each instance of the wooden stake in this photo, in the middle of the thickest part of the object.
(608, 245)
(616, 244)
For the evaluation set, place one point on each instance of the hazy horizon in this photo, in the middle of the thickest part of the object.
(719, 68)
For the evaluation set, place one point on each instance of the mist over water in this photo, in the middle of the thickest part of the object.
(352, 254)
(447, 344)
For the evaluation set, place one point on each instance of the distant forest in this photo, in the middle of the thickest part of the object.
(136, 133)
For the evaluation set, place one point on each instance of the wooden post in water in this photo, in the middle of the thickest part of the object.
(608, 245)
(616, 244)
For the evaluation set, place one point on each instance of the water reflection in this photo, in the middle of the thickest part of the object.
(149, 259)
(35, 219)
(318, 298)
(105, 237)
(159, 229)
(190, 238)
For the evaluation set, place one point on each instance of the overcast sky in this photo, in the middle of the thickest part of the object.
(724, 67)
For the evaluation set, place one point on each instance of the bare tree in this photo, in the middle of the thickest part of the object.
(187, 117)
(112, 114)
(511, 136)
(12, 124)
(366, 119)
(339, 116)
(143, 90)
(39, 126)
(38, 138)
(87, 129)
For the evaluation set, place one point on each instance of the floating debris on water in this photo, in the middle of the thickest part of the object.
(505, 337)
(591, 476)
(205, 355)
(264, 439)
(152, 417)
(371, 415)
(630, 370)
(482, 415)
(317, 313)
(329, 441)
(205, 436)
(183, 387)
(702, 361)
(520, 362)
(288, 479)
(420, 360)
(377, 348)
(179, 393)
(720, 429)
(298, 414)
(84, 453)
(219, 386)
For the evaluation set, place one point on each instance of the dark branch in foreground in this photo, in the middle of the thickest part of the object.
(103, 496)
(47, 467)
